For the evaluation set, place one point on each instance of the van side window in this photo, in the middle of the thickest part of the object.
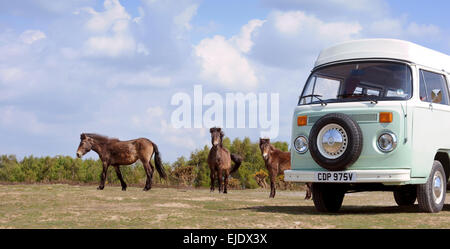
(433, 88)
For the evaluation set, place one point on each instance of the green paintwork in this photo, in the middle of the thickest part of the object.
(421, 131)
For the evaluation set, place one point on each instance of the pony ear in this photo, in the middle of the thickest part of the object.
(211, 130)
(264, 141)
(83, 136)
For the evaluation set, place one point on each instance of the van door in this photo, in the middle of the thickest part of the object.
(431, 119)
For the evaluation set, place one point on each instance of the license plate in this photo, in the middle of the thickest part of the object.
(335, 176)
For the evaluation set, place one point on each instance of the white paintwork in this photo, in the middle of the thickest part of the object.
(362, 176)
(385, 49)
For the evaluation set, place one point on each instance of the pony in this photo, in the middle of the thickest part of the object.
(219, 161)
(114, 152)
(277, 162)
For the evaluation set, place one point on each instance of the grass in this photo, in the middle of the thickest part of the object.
(68, 206)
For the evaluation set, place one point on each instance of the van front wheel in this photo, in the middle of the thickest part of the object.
(328, 197)
(431, 195)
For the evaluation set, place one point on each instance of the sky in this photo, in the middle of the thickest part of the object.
(112, 67)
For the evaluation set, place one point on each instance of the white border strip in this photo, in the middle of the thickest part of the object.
(362, 176)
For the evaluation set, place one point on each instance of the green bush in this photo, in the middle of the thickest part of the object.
(192, 171)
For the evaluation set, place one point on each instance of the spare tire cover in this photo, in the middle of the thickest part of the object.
(335, 141)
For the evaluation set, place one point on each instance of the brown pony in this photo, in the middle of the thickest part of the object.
(219, 161)
(114, 152)
(277, 162)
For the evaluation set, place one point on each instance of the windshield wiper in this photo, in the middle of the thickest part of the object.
(322, 103)
(373, 98)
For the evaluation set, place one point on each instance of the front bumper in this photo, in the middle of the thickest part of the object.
(395, 176)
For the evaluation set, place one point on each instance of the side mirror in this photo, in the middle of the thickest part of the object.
(436, 96)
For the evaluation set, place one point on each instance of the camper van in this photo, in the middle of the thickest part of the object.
(374, 115)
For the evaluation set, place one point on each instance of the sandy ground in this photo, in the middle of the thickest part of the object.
(68, 206)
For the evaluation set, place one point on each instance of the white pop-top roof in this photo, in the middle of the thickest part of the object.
(385, 49)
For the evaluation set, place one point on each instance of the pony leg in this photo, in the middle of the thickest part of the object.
(226, 183)
(119, 175)
(212, 177)
(272, 186)
(220, 181)
(103, 176)
(152, 170)
(308, 191)
(149, 173)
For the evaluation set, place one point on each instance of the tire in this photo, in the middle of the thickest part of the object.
(406, 195)
(431, 195)
(353, 143)
(328, 197)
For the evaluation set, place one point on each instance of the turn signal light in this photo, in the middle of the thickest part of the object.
(302, 120)
(385, 117)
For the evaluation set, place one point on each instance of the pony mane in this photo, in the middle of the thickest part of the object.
(101, 139)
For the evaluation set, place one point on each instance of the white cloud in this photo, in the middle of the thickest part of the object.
(184, 18)
(149, 119)
(423, 30)
(224, 61)
(360, 8)
(221, 62)
(184, 138)
(110, 46)
(142, 78)
(244, 40)
(294, 23)
(11, 74)
(114, 17)
(14, 118)
(292, 39)
(403, 29)
(112, 36)
(31, 36)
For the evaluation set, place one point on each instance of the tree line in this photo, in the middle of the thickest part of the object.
(193, 171)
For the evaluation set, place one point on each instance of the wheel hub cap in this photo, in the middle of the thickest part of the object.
(332, 141)
(438, 187)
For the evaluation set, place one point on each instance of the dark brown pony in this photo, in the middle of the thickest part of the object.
(219, 161)
(277, 162)
(114, 152)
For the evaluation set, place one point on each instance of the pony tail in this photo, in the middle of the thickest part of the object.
(158, 162)
(237, 162)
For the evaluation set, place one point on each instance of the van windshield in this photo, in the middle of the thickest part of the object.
(358, 81)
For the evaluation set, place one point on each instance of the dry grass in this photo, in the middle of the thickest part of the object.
(68, 206)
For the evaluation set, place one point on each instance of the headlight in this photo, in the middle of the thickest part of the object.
(387, 142)
(301, 144)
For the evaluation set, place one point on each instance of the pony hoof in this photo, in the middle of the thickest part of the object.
(146, 189)
(124, 189)
(100, 188)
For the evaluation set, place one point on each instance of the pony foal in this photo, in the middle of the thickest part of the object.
(277, 162)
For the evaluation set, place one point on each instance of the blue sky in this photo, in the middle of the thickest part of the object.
(112, 67)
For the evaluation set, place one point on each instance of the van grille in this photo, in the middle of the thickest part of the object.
(360, 118)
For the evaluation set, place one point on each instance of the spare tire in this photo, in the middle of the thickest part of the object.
(335, 141)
